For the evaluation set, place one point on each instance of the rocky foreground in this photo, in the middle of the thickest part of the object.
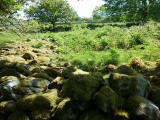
(34, 88)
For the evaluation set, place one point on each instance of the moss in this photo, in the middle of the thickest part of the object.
(82, 87)
(44, 114)
(106, 99)
(66, 73)
(134, 102)
(121, 115)
(38, 101)
(57, 83)
(23, 69)
(6, 78)
(126, 85)
(18, 115)
(5, 63)
(2, 106)
(42, 75)
(136, 63)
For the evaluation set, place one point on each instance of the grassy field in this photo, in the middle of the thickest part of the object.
(86, 48)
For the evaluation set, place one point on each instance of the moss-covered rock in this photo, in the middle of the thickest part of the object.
(69, 109)
(57, 83)
(106, 99)
(42, 114)
(136, 63)
(142, 109)
(7, 106)
(130, 83)
(6, 78)
(39, 101)
(29, 56)
(82, 87)
(6, 63)
(9, 72)
(42, 75)
(154, 96)
(51, 72)
(23, 69)
(18, 115)
(68, 71)
(15, 89)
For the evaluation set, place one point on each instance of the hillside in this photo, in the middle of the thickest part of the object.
(108, 73)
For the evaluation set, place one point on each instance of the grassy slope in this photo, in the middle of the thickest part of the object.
(87, 48)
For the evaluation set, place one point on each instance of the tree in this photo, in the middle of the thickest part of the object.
(99, 13)
(52, 11)
(134, 10)
(11, 6)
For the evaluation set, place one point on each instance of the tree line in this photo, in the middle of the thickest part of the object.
(52, 11)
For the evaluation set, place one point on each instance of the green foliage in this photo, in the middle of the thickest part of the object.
(51, 11)
(92, 49)
(130, 10)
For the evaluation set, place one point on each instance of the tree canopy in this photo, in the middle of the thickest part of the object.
(51, 11)
(11, 6)
(132, 10)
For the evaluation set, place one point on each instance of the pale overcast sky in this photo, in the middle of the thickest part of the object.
(84, 8)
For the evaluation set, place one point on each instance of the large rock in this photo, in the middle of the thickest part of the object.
(39, 101)
(57, 83)
(127, 82)
(18, 115)
(23, 69)
(7, 107)
(15, 89)
(9, 72)
(142, 109)
(154, 96)
(29, 56)
(42, 114)
(106, 99)
(69, 109)
(82, 87)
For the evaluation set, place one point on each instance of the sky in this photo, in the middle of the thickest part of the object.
(84, 8)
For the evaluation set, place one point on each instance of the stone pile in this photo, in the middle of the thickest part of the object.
(31, 90)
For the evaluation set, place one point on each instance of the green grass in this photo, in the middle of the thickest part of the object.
(86, 48)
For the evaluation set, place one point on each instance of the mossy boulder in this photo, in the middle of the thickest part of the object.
(39, 101)
(51, 72)
(130, 83)
(154, 96)
(82, 87)
(136, 63)
(142, 109)
(6, 78)
(7, 90)
(42, 75)
(69, 109)
(106, 99)
(23, 69)
(7, 107)
(29, 56)
(57, 83)
(42, 114)
(9, 72)
(16, 89)
(68, 71)
(6, 63)
(18, 115)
